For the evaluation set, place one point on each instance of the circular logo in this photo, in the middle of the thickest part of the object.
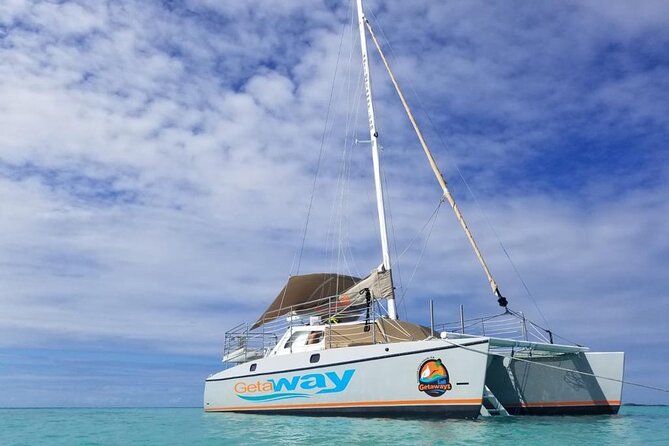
(433, 377)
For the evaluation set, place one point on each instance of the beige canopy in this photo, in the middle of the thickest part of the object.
(380, 331)
(307, 293)
(304, 292)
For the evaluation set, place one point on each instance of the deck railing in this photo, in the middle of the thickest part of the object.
(507, 325)
(244, 343)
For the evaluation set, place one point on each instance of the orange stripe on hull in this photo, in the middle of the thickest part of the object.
(351, 404)
(566, 403)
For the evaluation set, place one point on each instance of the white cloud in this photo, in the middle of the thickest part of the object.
(156, 164)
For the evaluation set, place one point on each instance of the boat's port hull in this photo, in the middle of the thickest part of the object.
(542, 386)
(370, 380)
(587, 408)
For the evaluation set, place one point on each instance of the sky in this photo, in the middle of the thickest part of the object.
(157, 163)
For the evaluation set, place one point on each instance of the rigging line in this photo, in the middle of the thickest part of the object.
(336, 214)
(347, 146)
(566, 339)
(398, 326)
(547, 330)
(394, 265)
(469, 189)
(501, 300)
(344, 222)
(516, 358)
(418, 234)
(341, 223)
(347, 163)
(339, 204)
(321, 150)
(333, 236)
(351, 119)
(513, 264)
(420, 258)
(402, 299)
(351, 151)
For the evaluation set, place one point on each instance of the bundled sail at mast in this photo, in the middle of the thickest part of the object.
(327, 293)
(379, 283)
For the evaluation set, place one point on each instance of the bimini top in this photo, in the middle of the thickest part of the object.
(309, 293)
(304, 292)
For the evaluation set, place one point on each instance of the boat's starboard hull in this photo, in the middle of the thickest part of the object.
(558, 385)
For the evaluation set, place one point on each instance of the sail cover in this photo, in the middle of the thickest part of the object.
(305, 292)
(379, 283)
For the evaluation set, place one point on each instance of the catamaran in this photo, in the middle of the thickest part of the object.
(332, 344)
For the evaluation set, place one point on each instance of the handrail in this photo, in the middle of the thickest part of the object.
(510, 325)
(243, 343)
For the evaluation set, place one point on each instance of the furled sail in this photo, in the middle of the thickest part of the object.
(379, 283)
(350, 304)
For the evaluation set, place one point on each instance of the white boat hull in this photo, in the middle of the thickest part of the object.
(533, 389)
(369, 380)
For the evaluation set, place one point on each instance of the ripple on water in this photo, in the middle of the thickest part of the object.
(634, 425)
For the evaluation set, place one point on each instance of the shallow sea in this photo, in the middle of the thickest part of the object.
(634, 425)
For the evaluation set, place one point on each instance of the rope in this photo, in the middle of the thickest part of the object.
(398, 326)
(344, 244)
(394, 265)
(402, 300)
(432, 219)
(422, 252)
(515, 358)
(335, 236)
(320, 152)
(338, 219)
(419, 233)
(438, 175)
(462, 177)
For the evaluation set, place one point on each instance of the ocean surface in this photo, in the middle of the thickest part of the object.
(634, 425)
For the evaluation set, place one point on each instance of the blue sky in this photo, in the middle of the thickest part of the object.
(156, 161)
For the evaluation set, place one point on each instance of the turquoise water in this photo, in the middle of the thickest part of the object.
(634, 425)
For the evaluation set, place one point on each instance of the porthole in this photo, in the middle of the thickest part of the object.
(315, 358)
(253, 367)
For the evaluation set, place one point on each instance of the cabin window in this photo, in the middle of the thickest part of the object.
(253, 367)
(301, 339)
(314, 337)
(315, 358)
(293, 338)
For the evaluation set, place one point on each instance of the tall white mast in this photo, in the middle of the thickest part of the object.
(374, 136)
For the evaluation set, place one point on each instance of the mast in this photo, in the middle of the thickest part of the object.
(440, 177)
(374, 136)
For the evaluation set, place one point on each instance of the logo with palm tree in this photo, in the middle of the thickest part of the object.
(433, 377)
